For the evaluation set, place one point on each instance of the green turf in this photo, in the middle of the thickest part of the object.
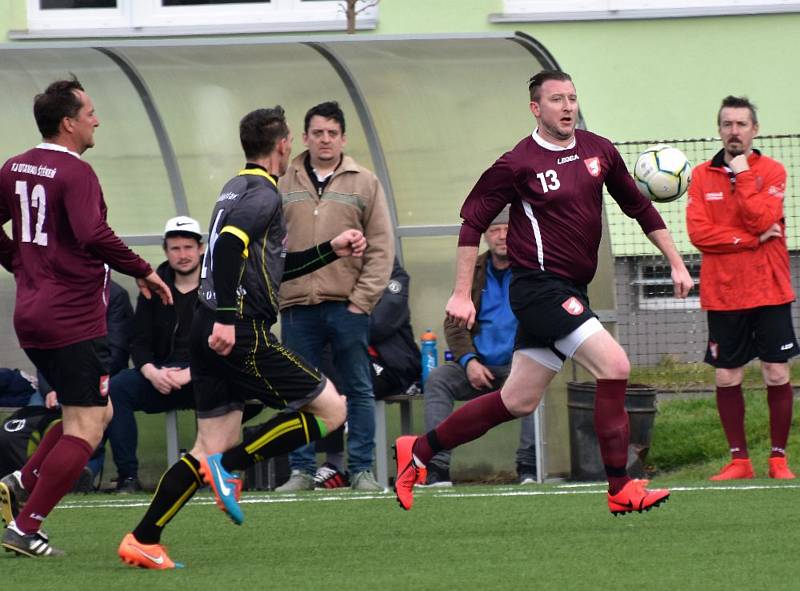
(469, 537)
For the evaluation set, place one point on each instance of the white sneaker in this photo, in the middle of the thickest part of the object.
(365, 481)
(299, 480)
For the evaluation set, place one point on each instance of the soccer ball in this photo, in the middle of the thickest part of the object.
(662, 173)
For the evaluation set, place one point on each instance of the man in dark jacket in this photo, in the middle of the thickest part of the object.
(160, 380)
(394, 364)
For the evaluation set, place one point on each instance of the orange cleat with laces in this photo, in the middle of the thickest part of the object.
(635, 497)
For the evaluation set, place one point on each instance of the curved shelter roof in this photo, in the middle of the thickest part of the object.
(427, 113)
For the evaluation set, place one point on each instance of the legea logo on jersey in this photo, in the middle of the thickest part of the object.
(573, 306)
(103, 386)
(593, 166)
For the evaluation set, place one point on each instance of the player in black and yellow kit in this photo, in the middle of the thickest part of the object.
(234, 357)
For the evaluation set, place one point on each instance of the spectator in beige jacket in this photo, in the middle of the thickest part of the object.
(324, 192)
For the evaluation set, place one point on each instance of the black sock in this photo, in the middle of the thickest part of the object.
(176, 487)
(281, 434)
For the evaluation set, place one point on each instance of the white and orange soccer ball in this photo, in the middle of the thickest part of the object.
(662, 173)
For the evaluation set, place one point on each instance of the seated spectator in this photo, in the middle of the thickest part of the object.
(482, 355)
(16, 387)
(394, 366)
(160, 380)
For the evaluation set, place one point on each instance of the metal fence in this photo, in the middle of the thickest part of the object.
(654, 327)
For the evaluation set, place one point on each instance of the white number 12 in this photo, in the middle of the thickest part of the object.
(37, 200)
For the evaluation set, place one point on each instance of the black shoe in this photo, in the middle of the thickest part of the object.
(12, 496)
(85, 483)
(34, 545)
(526, 474)
(127, 486)
(437, 477)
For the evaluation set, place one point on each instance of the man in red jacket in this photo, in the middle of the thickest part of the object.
(735, 218)
(61, 254)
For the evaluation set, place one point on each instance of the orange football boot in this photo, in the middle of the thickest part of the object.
(779, 469)
(635, 497)
(736, 470)
(408, 473)
(145, 555)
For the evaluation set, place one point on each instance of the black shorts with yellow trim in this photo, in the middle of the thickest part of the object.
(259, 367)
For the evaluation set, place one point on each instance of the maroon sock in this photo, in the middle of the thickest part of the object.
(780, 400)
(730, 404)
(30, 471)
(613, 432)
(467, 423)
(58, 474)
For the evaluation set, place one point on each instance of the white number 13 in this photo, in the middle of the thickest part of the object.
(38, 201)
(552, 183)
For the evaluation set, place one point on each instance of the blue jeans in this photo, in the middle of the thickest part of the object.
(306, 330)
(131, 391)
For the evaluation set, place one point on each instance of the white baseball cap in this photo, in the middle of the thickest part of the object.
(184, 225)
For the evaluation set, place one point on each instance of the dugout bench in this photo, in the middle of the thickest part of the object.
(381, 447)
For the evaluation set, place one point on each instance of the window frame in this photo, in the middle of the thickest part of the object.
(643, 302)
(149, 17)
(579, 10)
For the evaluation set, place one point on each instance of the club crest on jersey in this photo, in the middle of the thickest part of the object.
(573, 306)
(104, 386)
(593, 166)
(713, 348)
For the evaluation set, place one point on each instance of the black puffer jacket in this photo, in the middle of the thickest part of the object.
(390, 333)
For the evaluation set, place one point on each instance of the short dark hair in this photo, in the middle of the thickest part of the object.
(260, 131)
(59, 100)
(737, 102)
(328, 110)
(535, 82)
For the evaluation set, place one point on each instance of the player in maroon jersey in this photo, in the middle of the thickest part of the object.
(554, 180)
(60, 253)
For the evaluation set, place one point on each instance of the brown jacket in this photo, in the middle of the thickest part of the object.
(353, 199)
(459, 340)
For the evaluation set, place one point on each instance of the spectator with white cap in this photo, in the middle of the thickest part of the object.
(160, 380)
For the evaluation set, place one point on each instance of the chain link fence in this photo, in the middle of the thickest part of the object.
(656, 329)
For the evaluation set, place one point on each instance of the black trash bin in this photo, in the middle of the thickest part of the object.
(586, 463)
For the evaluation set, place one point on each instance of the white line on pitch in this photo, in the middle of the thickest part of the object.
(459, 492)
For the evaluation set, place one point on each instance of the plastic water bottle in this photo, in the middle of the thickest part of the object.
(430, 356)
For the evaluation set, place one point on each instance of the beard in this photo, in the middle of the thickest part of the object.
(187, 272)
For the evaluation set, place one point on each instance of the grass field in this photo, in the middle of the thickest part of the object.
(471, 537)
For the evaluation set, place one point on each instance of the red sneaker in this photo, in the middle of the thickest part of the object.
(736, 470)
(408, 473)
(779, 469)
(635, 497)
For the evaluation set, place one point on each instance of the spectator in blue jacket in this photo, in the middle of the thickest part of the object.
(482, 355)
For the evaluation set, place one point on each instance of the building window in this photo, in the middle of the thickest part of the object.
(174, 17)
(563, 10)
(653, 284)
